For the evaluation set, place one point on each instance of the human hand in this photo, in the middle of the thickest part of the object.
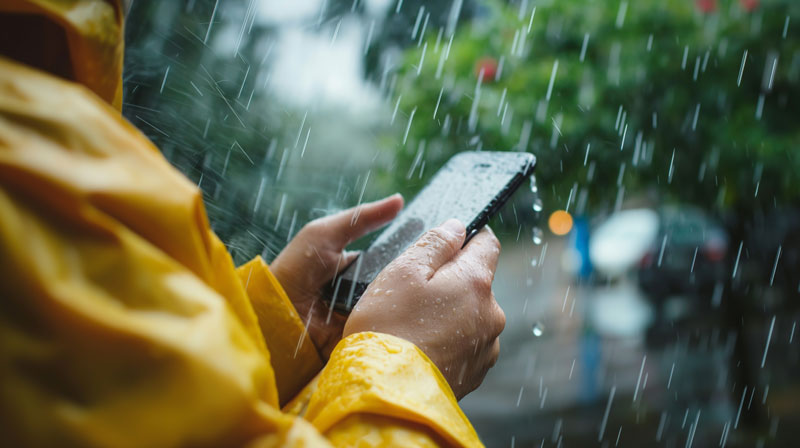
(439, 297)
(316, 254)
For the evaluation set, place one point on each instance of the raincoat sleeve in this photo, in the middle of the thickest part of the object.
(294, 358)
(123, 321)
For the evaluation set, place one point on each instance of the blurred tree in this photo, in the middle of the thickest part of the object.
(643, 95)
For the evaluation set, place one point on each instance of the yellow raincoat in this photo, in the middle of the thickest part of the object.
(123, 321)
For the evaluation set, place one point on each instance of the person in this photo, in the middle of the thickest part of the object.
(123, 321)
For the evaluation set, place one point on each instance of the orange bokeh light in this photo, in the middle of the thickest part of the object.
(560, 222)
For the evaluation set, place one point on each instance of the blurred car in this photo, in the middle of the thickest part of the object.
(620, 242)
(686, 257)
(675, 255)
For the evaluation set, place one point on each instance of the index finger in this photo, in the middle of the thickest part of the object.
(483, 249)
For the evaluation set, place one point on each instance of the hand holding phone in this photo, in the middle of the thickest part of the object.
(438, 296)
(471, 187)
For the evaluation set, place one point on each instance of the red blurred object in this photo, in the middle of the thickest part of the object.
(714, 250)
(646, 260)
(749, 5)
(489, 67)
(706, 6)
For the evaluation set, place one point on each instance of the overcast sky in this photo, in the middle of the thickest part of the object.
(311, 68)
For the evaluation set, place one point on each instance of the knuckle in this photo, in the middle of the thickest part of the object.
(495, 354)
(482, 280)
(501, 320)
(439, 238)
(313, 227)
(494, 242)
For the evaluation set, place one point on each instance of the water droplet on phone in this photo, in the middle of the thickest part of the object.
(538, 329)
(538, 206)
(537, 235)
(534, 187)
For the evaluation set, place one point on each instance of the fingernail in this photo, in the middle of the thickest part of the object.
(389, 198)
(454, 226)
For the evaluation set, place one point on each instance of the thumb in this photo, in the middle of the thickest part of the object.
(343, 228)
(437, 246)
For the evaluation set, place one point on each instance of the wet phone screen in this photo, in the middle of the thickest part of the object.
(471, 187)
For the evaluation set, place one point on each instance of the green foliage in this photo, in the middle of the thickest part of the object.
(630, 97)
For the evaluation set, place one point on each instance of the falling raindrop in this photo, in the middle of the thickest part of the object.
(537, 329)
(538, 206)
(537, 236)
(534, 187)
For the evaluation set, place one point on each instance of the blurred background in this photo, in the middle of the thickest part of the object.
(651, 274)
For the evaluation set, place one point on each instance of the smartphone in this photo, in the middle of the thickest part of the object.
(471, 187)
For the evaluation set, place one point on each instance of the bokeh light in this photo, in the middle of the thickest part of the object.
(560, 222)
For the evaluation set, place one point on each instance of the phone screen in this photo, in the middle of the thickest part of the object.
(471, 187)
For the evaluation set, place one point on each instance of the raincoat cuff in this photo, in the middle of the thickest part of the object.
(293, 355)
(376, 373)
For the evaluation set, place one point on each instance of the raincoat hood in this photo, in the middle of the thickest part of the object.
(79, 40)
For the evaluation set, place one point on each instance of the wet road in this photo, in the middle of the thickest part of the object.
(554, 389)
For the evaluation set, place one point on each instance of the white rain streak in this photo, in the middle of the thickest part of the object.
(438, 102)
(785, 27)
(396, 107)
(300, 131)
(739, 412)
(305, 144)
(671, 372)
(336, 32)
(693, 430)
(671, 167)
(422, 58)
(639, 380)
(736, 264)
(769, 338)
(408, 127)
(604, 422)
(723, 439)
(584, 46)
(685, 57)
(499, 105)
(661, 424)
(211, 22)
(417, 23)
(661, 252)
(741, 69)
(775, 265)
(164, 82)
(552, 80)
(368, 40)
(623, 9)
(533, 13)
